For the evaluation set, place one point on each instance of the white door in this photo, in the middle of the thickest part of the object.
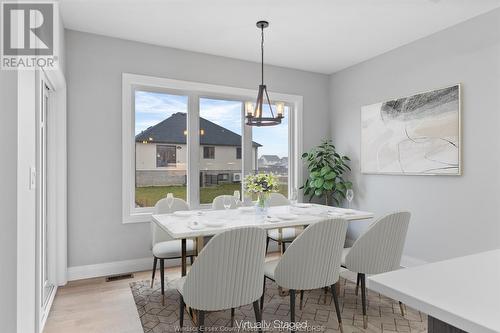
(46, 286)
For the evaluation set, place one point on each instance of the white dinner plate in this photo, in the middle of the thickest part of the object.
(197, 226)
(285, 216)
(185, 213)
(247, 209)
(303, 205)
(215, 223)
(272, 219)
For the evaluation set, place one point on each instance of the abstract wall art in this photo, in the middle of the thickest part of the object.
(414, 135)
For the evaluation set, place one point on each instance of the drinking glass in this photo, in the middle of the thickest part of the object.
(227, 202)
(236, 195)
(293, 197)
(349, 195)
(170, 200)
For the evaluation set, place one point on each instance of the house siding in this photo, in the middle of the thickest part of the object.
(147, 174)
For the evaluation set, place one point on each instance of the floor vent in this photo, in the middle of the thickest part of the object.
(119, 277)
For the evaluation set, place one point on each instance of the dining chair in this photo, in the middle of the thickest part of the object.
(227, 274)
(286, 235)
(218, 202)
(165, 247)
(312, 261)
(378, 250)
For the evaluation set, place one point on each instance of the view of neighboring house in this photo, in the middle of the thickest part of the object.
(273, 163)
(161, 153)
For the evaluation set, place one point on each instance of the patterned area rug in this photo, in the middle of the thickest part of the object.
(316, 316)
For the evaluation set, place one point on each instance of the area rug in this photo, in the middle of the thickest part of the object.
(316, 316)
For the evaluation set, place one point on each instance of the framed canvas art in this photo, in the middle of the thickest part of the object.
(414, 135)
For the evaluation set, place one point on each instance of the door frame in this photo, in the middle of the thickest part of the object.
(29, 318)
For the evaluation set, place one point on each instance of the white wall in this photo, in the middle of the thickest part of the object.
(451, 216)
(8, 199)
(94, 67)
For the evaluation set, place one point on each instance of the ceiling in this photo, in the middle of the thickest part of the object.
(322, 36)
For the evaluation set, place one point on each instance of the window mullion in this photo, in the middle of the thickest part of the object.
(247, 153)
(193, 148)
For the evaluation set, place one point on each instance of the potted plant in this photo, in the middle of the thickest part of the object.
(262, 184)
(326, 168)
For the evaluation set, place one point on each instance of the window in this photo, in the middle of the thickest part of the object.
(220, 125)
(160, 146)
(172, 129)
(209, 153)
(273, 156)
(165, 156)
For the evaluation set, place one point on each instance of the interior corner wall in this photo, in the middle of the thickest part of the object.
(94, 67)
(451, 215)
(8, 200)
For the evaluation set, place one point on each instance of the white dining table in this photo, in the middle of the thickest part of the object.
(197, 224)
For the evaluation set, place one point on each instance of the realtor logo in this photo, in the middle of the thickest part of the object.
(28, 35)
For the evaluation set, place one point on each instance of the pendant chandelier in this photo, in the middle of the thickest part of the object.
(255, 114)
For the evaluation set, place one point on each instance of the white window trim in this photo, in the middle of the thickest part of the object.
(194, 91)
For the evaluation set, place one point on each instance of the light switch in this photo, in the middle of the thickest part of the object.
(32, 178)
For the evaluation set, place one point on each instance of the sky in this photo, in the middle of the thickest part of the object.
(153, 107)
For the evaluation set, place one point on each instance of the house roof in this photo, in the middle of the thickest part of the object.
(271, 158)
(171, 130)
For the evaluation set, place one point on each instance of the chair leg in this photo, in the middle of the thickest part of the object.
(267, 243)
(201, 321)
(258, 314)
(191, 260)
(357, 284)
(263, 292)
(337, 308)
(154, 271)
(326, 293)
(162, 277)
(181, 311)
(232, 317)
(401, 307)
(292, 309)
(363, 300)
(283, 247)
(301, 299)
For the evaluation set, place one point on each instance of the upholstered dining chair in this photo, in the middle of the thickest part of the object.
(312, 261)
(227, 274)
(378, 250)
(218, 202)
(286, 235)
(165, 247)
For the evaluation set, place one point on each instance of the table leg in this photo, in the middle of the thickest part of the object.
(337, 287)
(183, 257)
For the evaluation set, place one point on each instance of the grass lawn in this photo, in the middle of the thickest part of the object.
(148, 196)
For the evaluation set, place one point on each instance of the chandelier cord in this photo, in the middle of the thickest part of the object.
(262, 53)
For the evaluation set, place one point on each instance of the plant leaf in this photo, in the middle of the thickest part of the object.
(330, 175)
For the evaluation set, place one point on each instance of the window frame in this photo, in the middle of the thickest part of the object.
(209, 149)
(158, 145)
(238, 153)
(195, 91)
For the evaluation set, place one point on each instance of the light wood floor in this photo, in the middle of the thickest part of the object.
(97, 306)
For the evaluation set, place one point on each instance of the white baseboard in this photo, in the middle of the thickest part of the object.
(125, 266)
(110, 268)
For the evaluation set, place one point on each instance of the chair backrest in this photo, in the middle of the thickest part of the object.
(161, 207)
(380, 248)
(278, 199)
(313, 260)
(218, 202)
(229, 271)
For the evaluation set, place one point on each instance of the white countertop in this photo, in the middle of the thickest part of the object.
(463, 292)
(181, 227)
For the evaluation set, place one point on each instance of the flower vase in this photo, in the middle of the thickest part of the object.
(262, 203)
